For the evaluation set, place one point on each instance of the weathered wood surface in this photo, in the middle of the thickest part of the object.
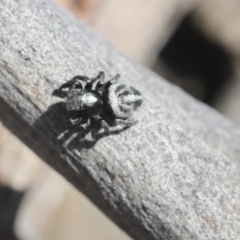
(171, 176)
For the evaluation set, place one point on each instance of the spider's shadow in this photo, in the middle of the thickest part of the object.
(55, 119)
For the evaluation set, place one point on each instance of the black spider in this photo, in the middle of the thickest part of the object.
(109, 103)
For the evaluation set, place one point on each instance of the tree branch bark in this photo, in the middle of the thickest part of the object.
(171, 176)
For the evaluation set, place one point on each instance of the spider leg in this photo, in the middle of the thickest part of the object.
(100, 78)
(104, 125)
(111, 81)
(75, 121)
(86, 124)
(127, 122)
(88, 81)
(102, 122)
(73, 83)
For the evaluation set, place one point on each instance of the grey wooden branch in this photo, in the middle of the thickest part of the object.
(168, 177)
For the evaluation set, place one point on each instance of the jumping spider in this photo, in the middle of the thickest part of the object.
(108, 103)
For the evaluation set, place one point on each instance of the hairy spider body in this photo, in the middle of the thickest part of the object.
(80, 100)
(109, 103)
(122, 100)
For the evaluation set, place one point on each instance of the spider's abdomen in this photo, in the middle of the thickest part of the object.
(124, 100)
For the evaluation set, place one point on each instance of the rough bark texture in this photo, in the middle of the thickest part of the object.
(171, 176)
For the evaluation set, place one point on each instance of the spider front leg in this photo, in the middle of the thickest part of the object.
(89, 82)
(73, 83)
(62, 93)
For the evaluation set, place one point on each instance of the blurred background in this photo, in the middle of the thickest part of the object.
(193, 43)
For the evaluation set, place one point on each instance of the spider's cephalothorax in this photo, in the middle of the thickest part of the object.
(109, 103)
